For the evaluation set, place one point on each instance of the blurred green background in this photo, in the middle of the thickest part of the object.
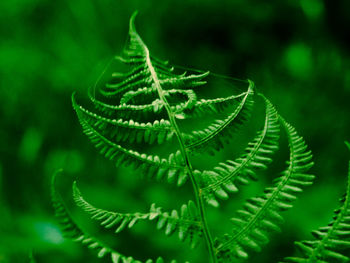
(296, 51)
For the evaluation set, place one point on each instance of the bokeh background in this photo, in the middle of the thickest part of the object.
(296, 51)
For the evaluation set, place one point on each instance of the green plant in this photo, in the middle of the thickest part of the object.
(146, 105)
(331, 239)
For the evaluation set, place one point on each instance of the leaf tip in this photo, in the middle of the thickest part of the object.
(132, 20)
(76, 191)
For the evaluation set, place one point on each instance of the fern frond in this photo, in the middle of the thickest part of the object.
(211, 106)
(215, 134)
(331, 240)
(120, 130)
(261, 215)
(184, 82)
(186, 223)
(225, 177)
(136, 112)
(153, 166)
(140, 78)
(136, 53)
(72, 231)
(139, 96)
(143, 105)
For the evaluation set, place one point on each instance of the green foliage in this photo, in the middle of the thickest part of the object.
(146, 105)
(73, 231)
(214, 135)
(332, 242)
(50, 49)
(261, 215)
(257, 155)
(186, 223)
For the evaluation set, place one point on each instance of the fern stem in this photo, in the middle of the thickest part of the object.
(196, 188)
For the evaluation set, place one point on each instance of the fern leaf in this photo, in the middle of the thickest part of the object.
(181, 82)
(120, 130)
(137, 54)
(261, 215)
(216, 133)
(172, 168)
(107, 132)
(72, 231)
(136, 112)
(212, 106)
(331, 240)
(139, 96)
(186, 223)
(138, 80)
(225, 177)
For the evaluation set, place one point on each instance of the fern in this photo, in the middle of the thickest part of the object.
(146, 106)
(186, 222)
(73, 231)
(120, 130)
(331, 239)
(215, 134)
(256, 156)
(261, 215)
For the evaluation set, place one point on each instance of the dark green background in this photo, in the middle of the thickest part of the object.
(295, 51)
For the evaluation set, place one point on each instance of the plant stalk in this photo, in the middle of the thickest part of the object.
(196, 188)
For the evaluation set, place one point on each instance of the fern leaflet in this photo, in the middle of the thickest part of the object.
(186, 223)
(331, 239)
(261, 215)
(224, 178)
(71, 230)
(220, 130)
